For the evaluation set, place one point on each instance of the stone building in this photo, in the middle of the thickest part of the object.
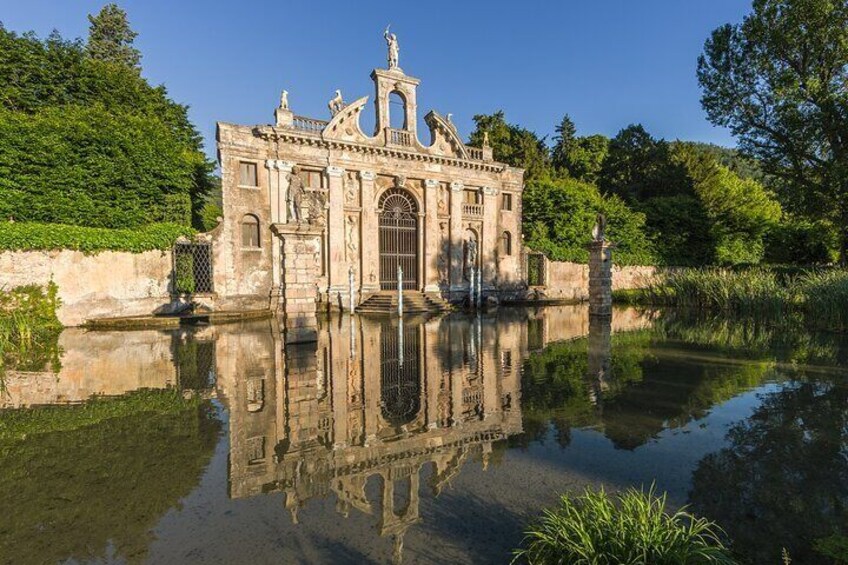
(314, 204)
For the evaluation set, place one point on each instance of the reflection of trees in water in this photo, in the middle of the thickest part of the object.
(652, 386)
(72, 493)
(784, 479)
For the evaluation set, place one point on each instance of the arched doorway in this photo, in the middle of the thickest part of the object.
(398, 239)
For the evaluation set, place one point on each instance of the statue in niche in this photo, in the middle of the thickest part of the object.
(350, 236)
(294, 196)
(336, 103)
(470, 256)
(394, 49)
(443, 200)
(600, 228)
(350, 189)
(284, 100)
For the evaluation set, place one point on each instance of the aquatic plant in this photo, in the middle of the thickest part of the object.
(631, 527)
(29, 327)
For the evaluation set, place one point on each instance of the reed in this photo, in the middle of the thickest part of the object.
(632, 527)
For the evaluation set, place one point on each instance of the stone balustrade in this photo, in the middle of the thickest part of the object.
(472, 210)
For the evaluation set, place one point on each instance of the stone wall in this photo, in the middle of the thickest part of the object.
(104, 285)
(570, 281)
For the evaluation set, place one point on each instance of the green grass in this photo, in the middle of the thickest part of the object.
(819, 295)
(29, 328)
(631, 527)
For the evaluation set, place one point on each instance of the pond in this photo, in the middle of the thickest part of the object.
(427, 441)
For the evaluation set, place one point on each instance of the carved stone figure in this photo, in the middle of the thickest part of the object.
(350, 190)
(294, 196)
(284, 100)
(394, 49)
(336, 103)
(316, 206)
(443, 254)
(470, 256)
(443, 200)
(350, 236)
(599, 231)
(485, 139)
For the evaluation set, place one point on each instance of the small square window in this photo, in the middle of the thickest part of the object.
(506, 202)
(472, 196)
(247, 174)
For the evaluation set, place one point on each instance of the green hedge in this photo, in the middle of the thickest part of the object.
(16, 236)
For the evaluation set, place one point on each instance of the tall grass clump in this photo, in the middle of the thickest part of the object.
(633, 527)
(750, 291)
(823, 296)
(29, 327)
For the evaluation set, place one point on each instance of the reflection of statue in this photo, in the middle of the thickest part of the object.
(336, 103)
(284, 100)
(394, 49)
(294, 196)
(470, 256)
(599, 231)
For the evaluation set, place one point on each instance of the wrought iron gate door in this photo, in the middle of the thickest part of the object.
(398, 239)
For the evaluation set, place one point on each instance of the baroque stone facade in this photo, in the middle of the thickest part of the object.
(446, 213)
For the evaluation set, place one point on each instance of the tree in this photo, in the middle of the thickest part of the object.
(586, 158)
(565, 142)
(779, 81)
(110, 38)
(636, 166)
(513, 145)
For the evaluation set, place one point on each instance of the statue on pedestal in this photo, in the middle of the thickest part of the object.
(284, 100)
(394, 49)
(336, 104)
(470, 257)
(294, 196)
(599, 231)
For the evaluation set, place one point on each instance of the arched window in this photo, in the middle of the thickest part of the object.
(397, 110)
(250, 231)
(506, 243)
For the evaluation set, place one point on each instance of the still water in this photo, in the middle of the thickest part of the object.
(423, 442)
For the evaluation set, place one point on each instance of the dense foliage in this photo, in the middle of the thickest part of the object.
(558, 220)
(29, 328)
(778, 81)
(15, 236)
(631, 527)
(85, 140)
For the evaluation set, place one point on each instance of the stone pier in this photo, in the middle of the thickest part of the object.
(600, 278)
(300, 246)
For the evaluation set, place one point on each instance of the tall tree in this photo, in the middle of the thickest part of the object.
(110, 38)
(779, 81)
(636, 166)
(513, 145)
(565, 142)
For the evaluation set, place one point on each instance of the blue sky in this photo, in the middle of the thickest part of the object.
(607, 63)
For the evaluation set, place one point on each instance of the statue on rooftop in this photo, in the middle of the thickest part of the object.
(284, 100)
(394, 50)
(336, 103)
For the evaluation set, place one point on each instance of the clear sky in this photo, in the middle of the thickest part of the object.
(607, 63)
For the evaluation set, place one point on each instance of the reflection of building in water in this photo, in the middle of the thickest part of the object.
(363, 411)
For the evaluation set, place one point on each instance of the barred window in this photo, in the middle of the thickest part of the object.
(506, 202)
(247, 174)
(250, 231)
(506, 243)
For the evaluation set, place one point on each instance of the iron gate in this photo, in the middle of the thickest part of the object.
(398, 239)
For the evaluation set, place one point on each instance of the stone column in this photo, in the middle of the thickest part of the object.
(369, 254)
(337, 284)
(457, 235)
(600, 278)
(301, 266)
(490, 237)
(432, 245)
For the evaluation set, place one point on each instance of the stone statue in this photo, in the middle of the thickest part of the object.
(599, 231)
(350, 236)
(316, 206)
(394, 50)
(470, 256)
(336, 103)
(294, 196)
(284, 100)
(486, 139)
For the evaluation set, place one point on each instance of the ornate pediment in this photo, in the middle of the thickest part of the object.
(345, 124)
(446, 139)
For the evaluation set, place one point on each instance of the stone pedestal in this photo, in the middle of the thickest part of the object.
(300, 246)
(600, 278)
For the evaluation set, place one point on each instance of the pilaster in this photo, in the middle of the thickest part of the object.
(369, 254)
(432, 245)
(456, 235)
(338, 268)
(491, 237)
